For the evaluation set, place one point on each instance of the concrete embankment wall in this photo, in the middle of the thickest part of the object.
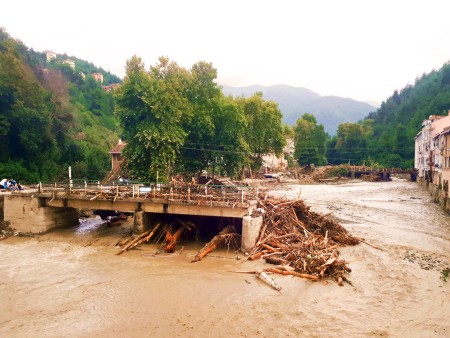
(26, 214)
(439, 195)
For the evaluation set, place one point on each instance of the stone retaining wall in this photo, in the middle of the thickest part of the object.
(439, 195)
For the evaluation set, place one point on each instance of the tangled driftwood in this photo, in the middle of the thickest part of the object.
(298, 241)
(301, 242)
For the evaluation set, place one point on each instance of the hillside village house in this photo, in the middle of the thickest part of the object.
(70, 63)
(50, 55)
(432, 150)
(272, 162)
(111, 87)
(116, 155)
(98, 77)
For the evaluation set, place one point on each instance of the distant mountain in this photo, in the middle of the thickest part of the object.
(295, 101)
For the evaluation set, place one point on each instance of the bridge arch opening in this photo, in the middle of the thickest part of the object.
(203, 228)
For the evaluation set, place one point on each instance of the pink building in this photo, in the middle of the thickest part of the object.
(431, 157)
(111, 87)
(98, 77)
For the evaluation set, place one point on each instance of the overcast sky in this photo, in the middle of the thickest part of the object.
(359, 49)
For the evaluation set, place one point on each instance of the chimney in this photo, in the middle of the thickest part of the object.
(120, 140)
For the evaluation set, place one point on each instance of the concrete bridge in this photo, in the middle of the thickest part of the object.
(383, 174)
(58, 205)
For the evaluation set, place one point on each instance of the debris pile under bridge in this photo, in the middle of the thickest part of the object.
(296, 240)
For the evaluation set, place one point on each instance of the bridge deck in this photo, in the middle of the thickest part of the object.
(204, 200)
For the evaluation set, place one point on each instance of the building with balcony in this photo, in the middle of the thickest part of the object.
(432, 143)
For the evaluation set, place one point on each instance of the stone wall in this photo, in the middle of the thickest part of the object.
(27, 214)
(2, 198)
(437, 192)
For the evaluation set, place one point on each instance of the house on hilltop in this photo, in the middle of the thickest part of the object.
(70, 63)
(50, 55)
(111, 87)
(98, 77)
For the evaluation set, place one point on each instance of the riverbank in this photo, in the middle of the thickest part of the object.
(52, 286)
(438, 192)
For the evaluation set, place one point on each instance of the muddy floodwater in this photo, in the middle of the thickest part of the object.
(70, 283)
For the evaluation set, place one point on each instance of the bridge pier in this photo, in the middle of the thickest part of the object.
(140, 221)
(250, 232)
(28, 214)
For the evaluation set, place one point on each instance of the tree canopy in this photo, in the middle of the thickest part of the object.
(178, 120)
(310, 141)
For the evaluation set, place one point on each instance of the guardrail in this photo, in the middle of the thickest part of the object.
(380, 170)
(184, 193)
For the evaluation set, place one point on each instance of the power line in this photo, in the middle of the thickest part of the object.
(307, 148)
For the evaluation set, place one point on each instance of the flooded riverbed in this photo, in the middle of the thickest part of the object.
(70, 283)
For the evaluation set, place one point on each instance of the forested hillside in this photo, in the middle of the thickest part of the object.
(386, 136)
(51, 117)
(55, 114)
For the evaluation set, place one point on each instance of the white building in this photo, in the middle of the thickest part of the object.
(50, 55)
(70, 63)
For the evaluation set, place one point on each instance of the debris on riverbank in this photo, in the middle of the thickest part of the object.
(6, 231)
(300, 242)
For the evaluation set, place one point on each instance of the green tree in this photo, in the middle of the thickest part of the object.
(264, 128)
(233, 150)
(150, 110)
(310, 141)
(350, 143)
(203, 95)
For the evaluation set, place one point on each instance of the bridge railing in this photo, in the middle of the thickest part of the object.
(185, 193)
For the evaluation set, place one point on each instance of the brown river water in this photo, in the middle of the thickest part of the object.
(70, 283)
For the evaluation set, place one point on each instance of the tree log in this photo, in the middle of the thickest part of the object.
(125, 248)
(146, 238)
(292, 273)
(171, 240)
(212, 244)
(257, 255)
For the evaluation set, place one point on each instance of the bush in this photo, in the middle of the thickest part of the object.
(17, 171)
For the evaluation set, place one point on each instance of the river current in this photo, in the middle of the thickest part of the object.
(70, 283)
